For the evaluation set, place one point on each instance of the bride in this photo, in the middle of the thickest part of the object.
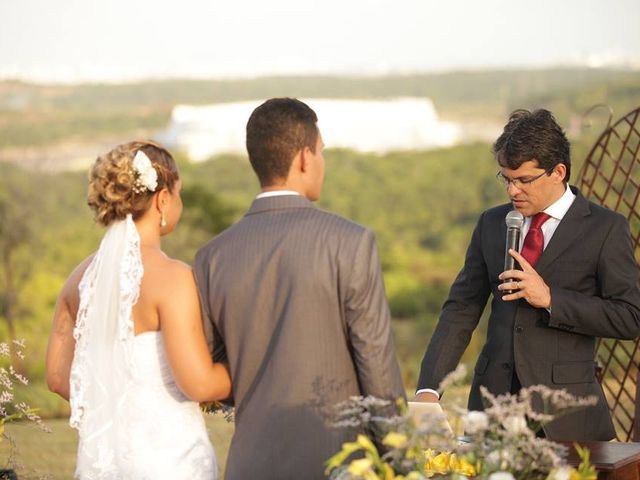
(127, 348)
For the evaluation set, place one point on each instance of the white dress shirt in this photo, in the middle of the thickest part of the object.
(556, 211)
(276, 193)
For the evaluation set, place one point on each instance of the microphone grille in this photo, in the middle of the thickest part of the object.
(514, 219)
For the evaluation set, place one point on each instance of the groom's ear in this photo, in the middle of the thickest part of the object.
(305, 158)
(297, 164)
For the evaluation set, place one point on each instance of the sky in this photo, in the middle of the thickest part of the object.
(116, 40)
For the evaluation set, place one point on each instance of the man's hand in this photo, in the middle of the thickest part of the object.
(527, 282)
(426, 397)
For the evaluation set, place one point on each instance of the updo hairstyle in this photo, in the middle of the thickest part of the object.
(112, 179)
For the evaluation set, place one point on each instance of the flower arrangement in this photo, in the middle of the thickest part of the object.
(500, 443)
(11, 411)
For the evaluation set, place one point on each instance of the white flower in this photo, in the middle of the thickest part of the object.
(498, 459)
(475, 422)
(501, 476)
(6, 397)
(562, 473)
(515, 424)
(146, 175)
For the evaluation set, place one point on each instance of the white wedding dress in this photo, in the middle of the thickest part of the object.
(133, 420)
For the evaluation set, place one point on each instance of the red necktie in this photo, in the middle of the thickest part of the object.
(534, 241)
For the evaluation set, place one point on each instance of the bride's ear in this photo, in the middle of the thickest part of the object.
(161, 200)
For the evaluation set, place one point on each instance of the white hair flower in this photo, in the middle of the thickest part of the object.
(146, 175)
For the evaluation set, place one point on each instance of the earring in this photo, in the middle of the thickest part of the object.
(163, 222)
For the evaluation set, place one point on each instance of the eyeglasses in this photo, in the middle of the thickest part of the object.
(519, 182)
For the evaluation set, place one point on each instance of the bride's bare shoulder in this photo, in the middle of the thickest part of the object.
(178, 268)
(167, 273)
(69, 295)
(72, 282)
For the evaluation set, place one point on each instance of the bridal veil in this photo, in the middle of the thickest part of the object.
(101, 369)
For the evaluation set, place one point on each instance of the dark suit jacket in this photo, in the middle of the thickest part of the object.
(593, 276)
(293, 298)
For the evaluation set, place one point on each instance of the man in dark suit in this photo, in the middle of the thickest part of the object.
(293, 300)
(579, 281)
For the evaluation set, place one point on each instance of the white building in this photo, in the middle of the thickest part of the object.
(364, 125)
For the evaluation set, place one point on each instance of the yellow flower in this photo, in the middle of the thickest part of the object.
(387, 472)
(447, 462)
(438, 464)
(366, 443)
(410, 476)
(395, 440)
(462, 466)
(574, 475)
(414, 476)
(428, 457)
(360, 467)
(585, 470)
(412, 453)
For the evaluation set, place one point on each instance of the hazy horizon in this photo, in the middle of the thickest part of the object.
(75, 41)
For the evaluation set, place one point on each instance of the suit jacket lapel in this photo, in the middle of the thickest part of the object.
(501, 248)
(569, 231)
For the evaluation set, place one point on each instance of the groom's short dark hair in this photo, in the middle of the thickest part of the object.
(276, 131)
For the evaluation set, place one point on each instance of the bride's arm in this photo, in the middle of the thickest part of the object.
(61, 343)
(181, 324)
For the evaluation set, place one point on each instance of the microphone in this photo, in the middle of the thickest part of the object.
(514, 221)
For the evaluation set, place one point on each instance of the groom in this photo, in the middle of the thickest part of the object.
(293, 300)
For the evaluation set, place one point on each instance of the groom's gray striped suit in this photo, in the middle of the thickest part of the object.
(293, 299)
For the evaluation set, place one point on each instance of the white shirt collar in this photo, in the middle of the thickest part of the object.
(559, 208)
(276, 193)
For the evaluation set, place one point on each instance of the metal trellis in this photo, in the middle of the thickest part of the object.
(610, 177)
